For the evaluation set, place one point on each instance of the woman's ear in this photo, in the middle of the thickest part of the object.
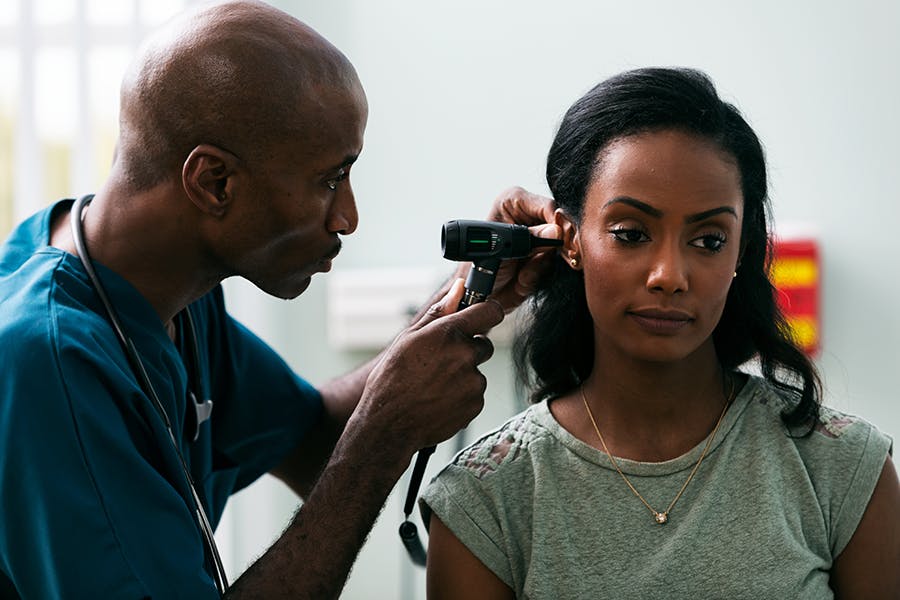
(207, 177)
(571, 248)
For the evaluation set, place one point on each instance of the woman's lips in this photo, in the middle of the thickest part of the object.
(661, 321)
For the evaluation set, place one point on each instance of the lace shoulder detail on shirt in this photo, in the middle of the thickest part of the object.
(832, 423)
(498, 447)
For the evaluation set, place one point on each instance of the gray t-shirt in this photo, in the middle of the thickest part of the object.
(764, 517)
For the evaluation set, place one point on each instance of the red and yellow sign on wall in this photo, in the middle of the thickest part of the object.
(795, 273)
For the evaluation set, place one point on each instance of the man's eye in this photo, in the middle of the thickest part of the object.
(334, 181)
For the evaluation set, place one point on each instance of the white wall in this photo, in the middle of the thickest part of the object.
(464, 99)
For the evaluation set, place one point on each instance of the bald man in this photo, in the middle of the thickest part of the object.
(239, 128)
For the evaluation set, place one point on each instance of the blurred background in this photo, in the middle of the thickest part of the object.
(464, 100)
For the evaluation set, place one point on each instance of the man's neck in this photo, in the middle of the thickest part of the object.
(146, 242)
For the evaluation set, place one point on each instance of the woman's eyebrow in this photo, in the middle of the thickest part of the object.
(641, 206)
(700, 216)
(655, 212)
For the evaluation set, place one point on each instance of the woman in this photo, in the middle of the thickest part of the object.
(650, 466)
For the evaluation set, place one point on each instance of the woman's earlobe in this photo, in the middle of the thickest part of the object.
(571, 248)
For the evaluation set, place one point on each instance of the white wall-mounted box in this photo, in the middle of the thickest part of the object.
(367, 308)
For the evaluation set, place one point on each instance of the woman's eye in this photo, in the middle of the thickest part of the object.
(630, 236)
(713, 242)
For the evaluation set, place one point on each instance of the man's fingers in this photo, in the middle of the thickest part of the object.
(532, 271)
(484, 349)
(518, 205)
(445, 306)
(478, 318)
(546, 231)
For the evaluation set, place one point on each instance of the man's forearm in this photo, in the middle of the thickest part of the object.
(301, 468)
(313, 557)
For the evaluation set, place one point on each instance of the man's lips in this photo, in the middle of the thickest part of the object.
(334, 252)
(325, 263)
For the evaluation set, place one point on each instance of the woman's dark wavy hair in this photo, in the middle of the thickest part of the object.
(555, 353)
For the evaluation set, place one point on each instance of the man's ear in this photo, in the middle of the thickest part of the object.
(207, 178)
(571, 248)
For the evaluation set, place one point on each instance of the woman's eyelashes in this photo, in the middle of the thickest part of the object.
(629, 235)
(712, 242)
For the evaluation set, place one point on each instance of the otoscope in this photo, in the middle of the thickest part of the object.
(486, 244)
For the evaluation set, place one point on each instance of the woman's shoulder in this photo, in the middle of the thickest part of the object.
(832, 445)
(507, 445)
(830, 425)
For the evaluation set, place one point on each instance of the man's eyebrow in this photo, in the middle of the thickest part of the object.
(345, 162)
(655, 212)
(348, 160)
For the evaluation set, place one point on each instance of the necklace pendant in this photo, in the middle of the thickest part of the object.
(661, 517)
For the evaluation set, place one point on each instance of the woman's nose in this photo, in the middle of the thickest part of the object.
(668, 273)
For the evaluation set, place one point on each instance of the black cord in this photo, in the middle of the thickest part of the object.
(479, 284)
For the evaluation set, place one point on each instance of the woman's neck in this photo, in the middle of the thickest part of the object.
(649, 412)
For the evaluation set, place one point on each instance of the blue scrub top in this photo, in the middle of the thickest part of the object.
(93, 503)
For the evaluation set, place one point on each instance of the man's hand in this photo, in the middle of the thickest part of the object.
(427, 385)
(424, 388)
(517, 279)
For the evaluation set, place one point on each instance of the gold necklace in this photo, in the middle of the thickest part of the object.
(661, 517)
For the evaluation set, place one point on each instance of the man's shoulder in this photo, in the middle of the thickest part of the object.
(26, 295)
(42, 308)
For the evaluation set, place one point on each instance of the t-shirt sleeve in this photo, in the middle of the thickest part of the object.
(464, 504)
(852, 453)
(85, 511)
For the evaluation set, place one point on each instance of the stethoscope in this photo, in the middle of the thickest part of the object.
(202, 410)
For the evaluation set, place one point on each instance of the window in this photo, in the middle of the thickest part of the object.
(61, 62)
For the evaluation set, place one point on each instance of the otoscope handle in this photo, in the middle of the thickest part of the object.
(480, 281)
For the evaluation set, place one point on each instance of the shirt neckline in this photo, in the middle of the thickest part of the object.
(545, 418)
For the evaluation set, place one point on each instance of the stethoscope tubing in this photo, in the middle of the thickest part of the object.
(140, 372)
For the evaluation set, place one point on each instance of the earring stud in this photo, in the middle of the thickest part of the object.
(574, 261)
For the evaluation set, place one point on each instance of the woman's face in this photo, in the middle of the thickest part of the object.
(659, 244)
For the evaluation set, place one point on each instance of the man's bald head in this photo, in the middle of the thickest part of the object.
(241, 75)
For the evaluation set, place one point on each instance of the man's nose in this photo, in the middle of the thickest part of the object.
(344, 218)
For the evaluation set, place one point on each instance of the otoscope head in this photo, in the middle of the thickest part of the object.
(473, 240)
